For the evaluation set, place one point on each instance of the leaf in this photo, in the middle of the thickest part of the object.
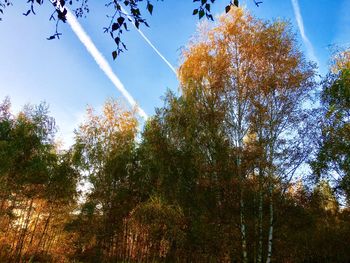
(114, 54)
(195, 12)
(235, 2)
(115, 26)
(126, 27)
(32, 8)
(26, 13)
(149, 7)
(227, 8)
(257, 3)
(62, 15)
(121, 20)
(207, 6)
(201, 13)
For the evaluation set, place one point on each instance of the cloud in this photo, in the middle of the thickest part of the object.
(299, 19)
(151, 45)
(102, 62)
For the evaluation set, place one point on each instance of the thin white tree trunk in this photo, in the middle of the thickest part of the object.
(260, 219)
(270, 238)
(243, 231)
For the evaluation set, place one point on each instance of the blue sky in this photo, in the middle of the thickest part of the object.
(63, 73)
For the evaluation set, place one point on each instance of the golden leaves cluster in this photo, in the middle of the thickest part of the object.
(260, 56)
(107, 127)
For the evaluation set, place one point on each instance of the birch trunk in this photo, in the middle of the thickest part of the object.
(260, 217)
(243, 230)
(270, 238)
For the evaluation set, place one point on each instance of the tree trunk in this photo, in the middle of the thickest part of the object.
(35, 226)
(44, 232)
(260, 218)
(243, 230)
(270, 238)
(24, 233)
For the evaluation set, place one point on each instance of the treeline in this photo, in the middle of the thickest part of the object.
(239, 168)
(37, 185)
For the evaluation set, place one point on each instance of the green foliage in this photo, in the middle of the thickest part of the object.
(161, 224)
(37, 184)
(333, 155)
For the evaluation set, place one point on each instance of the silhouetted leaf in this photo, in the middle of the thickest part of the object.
(114, 54)
(257, 3)
(126, 27)
(62, 15)
(149, 7)
(124, 46)
(27, 13)
(115, 26)
(120, 20)
(207, 6)
(201, 13)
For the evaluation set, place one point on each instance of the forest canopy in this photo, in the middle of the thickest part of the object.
(238, 168)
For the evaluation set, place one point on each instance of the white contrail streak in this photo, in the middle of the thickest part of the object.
(157, 51)
(102, 62)
(300, 23)
(150, 43)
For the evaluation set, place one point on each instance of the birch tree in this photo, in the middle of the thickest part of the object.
(261, 80)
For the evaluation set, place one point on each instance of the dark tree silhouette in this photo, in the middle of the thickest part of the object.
(123, 13)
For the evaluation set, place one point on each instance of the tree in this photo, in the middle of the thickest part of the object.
(186, 155)
(333, 154)
(157, 228)
(38, 184)
(260, 80)
(105, 146)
